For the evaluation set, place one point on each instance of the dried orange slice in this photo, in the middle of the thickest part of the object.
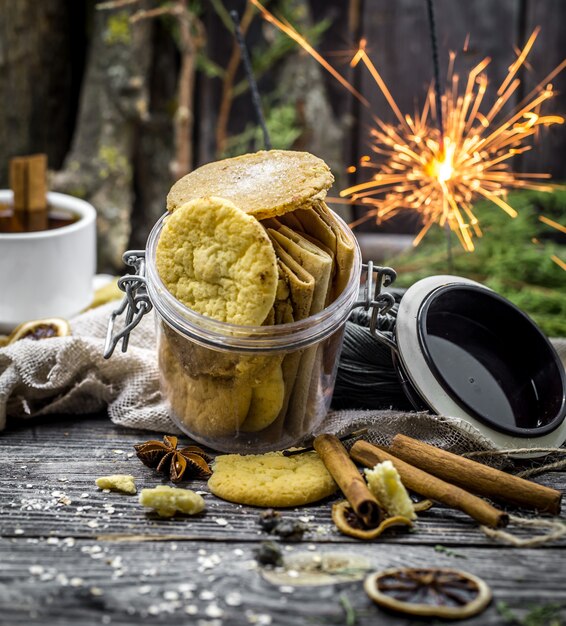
(350, 524)
(431, 592)
(41, 329)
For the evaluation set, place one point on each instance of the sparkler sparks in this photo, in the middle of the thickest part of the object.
(438, 173)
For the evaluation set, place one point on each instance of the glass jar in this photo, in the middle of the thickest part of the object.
(244, 388)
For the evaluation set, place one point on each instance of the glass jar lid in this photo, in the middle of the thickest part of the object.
(470, 353)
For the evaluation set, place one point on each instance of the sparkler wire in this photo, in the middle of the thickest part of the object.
(256, 100)
(436, 66)
(438, 96)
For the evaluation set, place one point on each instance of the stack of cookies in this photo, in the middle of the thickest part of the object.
(250, 241)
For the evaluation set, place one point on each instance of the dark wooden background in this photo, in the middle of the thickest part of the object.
(45, 47)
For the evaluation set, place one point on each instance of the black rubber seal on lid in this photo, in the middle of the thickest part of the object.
(492, 360)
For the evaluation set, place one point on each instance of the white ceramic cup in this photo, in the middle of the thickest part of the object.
(48, 273)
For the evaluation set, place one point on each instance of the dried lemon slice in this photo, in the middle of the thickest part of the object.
(430, 592)
(217, 260)
(348, 523)
(41, 329)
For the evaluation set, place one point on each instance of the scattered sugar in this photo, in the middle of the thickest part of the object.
(263, 619)
(206, 595)
(234, 598)
(171, 595)
(213, 610)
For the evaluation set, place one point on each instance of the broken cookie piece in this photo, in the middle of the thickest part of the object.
(167, 501)
(117, 482)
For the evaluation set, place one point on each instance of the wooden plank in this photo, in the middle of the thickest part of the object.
(55, 461)
(398, 42)
(85, 582)
(73, 555)
(548, 52)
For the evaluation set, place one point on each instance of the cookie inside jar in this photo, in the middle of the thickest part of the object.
(250, 249)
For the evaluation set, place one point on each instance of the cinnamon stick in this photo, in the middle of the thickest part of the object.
(37, 192)
(346, 474)
(18, 185)
(431, 487)
(28, 181)
(475, 476)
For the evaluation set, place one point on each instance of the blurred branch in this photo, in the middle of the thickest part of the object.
(278, 49)
(191, 35)
(147, 14)
(115, 4)
(223, 14)
(228, 84)
(191, 39)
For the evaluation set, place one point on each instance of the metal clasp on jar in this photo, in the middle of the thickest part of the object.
(379, 302)
(135, 304)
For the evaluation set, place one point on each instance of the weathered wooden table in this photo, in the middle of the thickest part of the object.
(74, 555)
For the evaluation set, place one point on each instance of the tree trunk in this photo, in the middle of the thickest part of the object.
(154, 150)
(114, 102)
(37, 71)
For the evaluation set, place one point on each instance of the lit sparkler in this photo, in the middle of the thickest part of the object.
(436, 172)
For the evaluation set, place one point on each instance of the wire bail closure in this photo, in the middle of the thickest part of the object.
(135, 304)
(380, 303)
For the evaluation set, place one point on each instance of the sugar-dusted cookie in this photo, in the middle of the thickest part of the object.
(263, 184)
(218, 261)
(271, 480)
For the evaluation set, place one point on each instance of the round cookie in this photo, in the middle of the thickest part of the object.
(266, 402)
(209, 407)
(214, 408)
(218, 261)
(264, 184)
(271, 480)
(197, 361)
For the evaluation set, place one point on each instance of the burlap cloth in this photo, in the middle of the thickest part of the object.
(69, 375)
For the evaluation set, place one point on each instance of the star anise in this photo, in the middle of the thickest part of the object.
(165, 457)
